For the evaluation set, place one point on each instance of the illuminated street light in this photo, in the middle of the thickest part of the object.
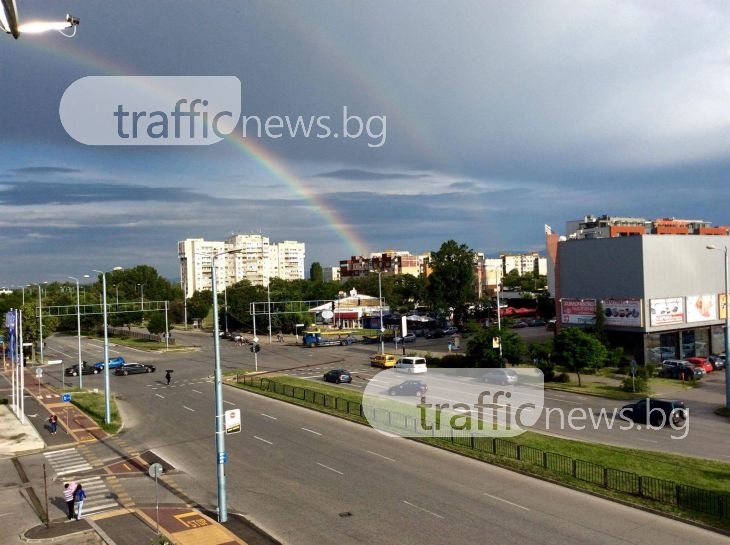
(9, 22)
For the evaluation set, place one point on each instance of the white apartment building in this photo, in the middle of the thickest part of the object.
(256, 260)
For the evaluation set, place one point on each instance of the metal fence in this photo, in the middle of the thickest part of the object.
(709, 502)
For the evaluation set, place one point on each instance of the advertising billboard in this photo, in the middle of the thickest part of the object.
(666, 311)
(578, 311)
(701, 308)
(622, 312)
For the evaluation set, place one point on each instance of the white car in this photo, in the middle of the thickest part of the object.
(451, 330)
(411, 364)
(408, 338)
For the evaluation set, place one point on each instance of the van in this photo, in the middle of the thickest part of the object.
(411, 364)
(386, 361)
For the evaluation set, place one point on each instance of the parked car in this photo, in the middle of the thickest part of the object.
(337, 376)
(408, 338)
(451, 330)
(681, 369)
(134, 369)
(701, 362)
(519, 324)
(86, 369)
(409, 388)
(500, 376)
(434, 333)
(657, 412)
(411, 364)
(717, 361)
(113, 363)
(536, 322)
(551, 325)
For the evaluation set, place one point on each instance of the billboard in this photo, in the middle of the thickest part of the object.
(701, 308)
(578, 311)
(622, 312)
(666, 311)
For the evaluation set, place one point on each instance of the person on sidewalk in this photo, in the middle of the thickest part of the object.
(53, 421)
(79, 497)
(68, 495)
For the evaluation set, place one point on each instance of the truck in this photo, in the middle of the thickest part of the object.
(317, 338)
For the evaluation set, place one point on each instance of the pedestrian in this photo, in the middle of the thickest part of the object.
(168, 377)
(79, 497)
(53, 421)
(68, 495)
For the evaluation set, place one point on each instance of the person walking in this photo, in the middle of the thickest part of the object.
(79, 497)
(53, 421)
(168, 377)
(68, 495)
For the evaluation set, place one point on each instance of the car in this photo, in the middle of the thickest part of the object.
(434, 333)
(385, 361)
(536, 322)
(717, 361)
(681, 369)
(113, 363)
(134, 369)
(451, 330)
(411, 364)
(657, 412)
(337, 376)
(551, 325)
(409, 388)
(519, 324)
(501, 376)
(702, 363)
(86, 369)
(408, 338)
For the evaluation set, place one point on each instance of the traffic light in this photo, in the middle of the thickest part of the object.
(255, 348)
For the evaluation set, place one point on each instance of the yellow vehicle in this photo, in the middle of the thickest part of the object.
(383, 360)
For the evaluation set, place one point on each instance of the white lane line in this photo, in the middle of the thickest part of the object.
(160, 396)
(188, 408)
(269, 416)
(229, 402)
(330, 468)
(262, 439)
(507, 502)
(380, 455)
(197, 391)
(646, 440)
(422, 509)
(312, 431)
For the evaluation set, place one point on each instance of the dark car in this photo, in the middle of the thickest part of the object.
(717, 361)
(337, 376)
(134, 369)
(113, 363)
(434, 333)
(519, 324)
(409, 388)
(536, 322)
(86, 369)
(681, 369)
(657, 412)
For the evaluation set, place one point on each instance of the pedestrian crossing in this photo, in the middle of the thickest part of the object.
(68, 462)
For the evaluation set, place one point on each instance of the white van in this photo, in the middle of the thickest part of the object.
(411, 364)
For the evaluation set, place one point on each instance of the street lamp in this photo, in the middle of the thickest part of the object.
(40, 317)
(727, 326)
(220, 443)
(78, 328)
(107, 405)
(380, 304)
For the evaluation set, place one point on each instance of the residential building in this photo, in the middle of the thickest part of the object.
(331, 274)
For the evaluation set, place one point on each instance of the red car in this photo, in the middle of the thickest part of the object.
(702, 363)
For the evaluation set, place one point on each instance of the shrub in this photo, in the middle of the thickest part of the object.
(639, 384)
(562, 377)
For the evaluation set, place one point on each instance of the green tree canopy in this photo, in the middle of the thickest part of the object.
(481, 349)
(577, 350)
(315, 272)
(451, 283)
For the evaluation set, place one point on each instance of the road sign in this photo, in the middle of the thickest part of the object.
(233, 421)
(633, 367)
(255, 339)
(155, 470)
(222, 457)
(66, 398)
(38, 372)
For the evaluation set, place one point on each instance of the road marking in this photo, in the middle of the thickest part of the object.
(262, 439)
(269, 416)
(160, 395)
(313, 376)
(376, 454)
(507, 501)
(188, 408)
(228, 402)
(646, 440)
(422, 509)
(197, 391)
(312, 431)
(330, 468)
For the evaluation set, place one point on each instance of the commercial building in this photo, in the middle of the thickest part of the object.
(255, 259)
(661, 293)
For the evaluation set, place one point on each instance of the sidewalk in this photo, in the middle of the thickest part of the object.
(140, 517)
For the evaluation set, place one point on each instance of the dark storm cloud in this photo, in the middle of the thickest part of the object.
(44, 170)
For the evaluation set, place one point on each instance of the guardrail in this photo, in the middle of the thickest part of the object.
(709, 502)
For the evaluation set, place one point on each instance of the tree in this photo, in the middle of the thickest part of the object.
(451, 284)
(315, 272)
(577, 350)
(156, 323)
(481, 350)
(199, 304)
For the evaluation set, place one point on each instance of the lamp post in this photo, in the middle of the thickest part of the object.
(220, 442)
(107, 405)
(380, 304)
(499, 322)
(141, 291)
(40, 318)
(78, 329)
(727, 326)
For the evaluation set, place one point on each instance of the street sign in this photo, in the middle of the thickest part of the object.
(66, 398)
(155, 470)
(633, 367)
(222, 457)
(38, 372)
(233, 421)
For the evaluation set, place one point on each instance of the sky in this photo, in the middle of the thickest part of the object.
(488, 120)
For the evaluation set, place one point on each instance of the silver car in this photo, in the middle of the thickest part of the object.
(500, 376)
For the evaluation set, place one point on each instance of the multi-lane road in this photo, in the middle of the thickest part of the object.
(308, 477)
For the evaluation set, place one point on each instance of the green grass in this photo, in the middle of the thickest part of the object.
(92, 403)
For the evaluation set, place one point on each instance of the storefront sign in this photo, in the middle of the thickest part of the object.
(622, 312)
(578, 311)
(666, 311)
(701, 308)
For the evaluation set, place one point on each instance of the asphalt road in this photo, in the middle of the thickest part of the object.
(307, 477)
